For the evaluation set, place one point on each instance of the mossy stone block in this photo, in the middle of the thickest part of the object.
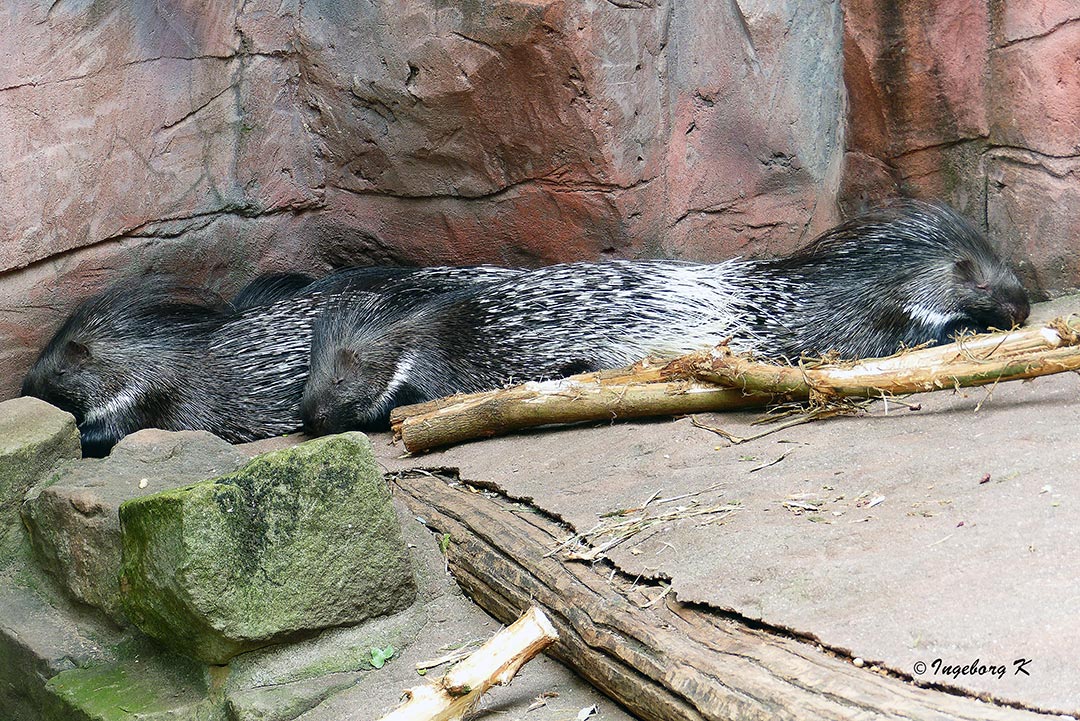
(133, 691)
(73, 519)
(34, 436)
(296, 541)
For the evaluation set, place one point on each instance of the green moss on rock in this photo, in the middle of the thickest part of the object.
(132, 692)
(73, 518)
(296, 541)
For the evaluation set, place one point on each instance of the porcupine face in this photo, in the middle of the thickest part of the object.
(958, 281)
(352, 382)
(902, 275)
(988, 295)
(355, 385)
(112, 363)
(64, 374)
(374, 351)
(353, 357)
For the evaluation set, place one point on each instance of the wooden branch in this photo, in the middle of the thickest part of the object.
(493, 664)
(717, 380)
(974, 361)
(666, 661)
(635, 392)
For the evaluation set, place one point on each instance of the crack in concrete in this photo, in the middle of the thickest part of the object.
(636, 581)
(720, 208)
(633, 4)
(145, 61)
(1034, 153)
(486, 46)
(147, 230)
(199, 109)
(546, 181)
(113, 68)
(945, 144)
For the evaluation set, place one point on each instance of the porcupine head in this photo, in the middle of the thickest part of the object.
(354, 377)
(122, 360)
(910, 272)
(977, 290)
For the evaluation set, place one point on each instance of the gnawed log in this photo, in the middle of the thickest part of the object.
(635, 392)
(973, 361)
(666, 660)
(493, 664)
(717, 379)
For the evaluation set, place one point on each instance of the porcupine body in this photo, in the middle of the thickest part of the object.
(905, 274)
(154, 355)
(263, 354)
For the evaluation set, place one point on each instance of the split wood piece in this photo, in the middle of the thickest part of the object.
(636, 392)
(974, 361)
(670, 661)
(493, 664)
(717, 380)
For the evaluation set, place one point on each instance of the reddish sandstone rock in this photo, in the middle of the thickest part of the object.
(578, 131)
(919, 72)
(916, 75)
(937, 111)
(1036, 104)
(1023, 19)
(122, 119)
(1033, 205)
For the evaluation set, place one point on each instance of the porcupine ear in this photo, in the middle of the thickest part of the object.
(76, 353)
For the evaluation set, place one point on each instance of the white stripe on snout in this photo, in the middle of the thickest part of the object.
(122, 401)
(930, 317)
(401, 374)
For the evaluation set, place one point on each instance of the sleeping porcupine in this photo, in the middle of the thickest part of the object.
(155, 355)
(121, 358)
(906, 274)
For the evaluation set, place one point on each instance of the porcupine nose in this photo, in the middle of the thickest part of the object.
(315, 424)
(1017, 308)
(1020, 311)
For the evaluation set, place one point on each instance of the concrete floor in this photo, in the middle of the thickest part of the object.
(921, 540)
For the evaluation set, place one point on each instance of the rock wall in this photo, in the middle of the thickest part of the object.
(977, 102)
(214, 140)
(219, 138)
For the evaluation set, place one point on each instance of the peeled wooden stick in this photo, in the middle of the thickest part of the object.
(493, 664)
(975, 361)
(717, 379)
(636, 392)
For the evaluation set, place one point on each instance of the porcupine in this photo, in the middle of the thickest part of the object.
(263, 354)
(905, 274)
(154, 354)
(122, 359)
